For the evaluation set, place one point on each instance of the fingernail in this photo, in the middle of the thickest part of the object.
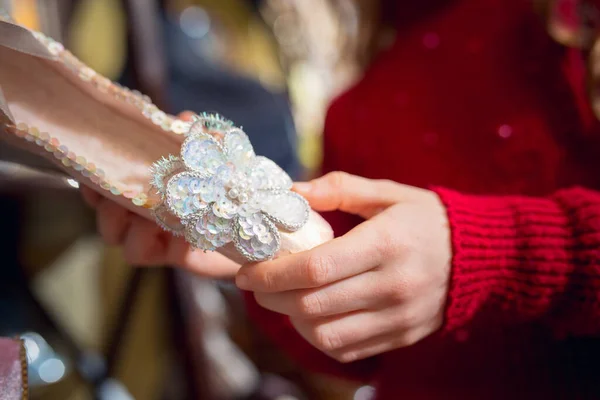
(242, 281)
(302, 187)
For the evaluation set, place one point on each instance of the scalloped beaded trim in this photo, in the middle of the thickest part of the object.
(77, 163)
(142, 102)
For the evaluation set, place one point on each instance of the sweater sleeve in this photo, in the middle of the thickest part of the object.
(521, 259)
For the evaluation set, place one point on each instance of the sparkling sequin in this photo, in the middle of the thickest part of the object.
(287, 209)
(211, 231)
(202, 154)
(180, 127)
(238, 147)
(257, 238)
(227, 193)
(86, 74)
(265, 174)
(140, 199)
(184, 194)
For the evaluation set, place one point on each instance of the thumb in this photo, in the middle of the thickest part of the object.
(351, 193)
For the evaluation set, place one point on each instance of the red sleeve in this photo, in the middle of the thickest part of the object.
(519, 259)
(281, 332)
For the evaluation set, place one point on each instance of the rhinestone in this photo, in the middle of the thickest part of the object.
(114, 190)
(105, 185)
(66, 162)
(35, 132)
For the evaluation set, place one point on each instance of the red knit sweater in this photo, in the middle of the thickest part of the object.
(476, 97)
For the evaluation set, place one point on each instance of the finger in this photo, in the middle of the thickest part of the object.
(350, 193)
(377, 345)
(356, 252)
(209, 264)
(186, 115)
(113, 221)
(142, 244)
(91, 197)
(359, 292)
(334, 333)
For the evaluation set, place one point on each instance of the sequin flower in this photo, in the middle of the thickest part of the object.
(221, 192)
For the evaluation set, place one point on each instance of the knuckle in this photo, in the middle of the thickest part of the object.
(407, 339)
(398, 289)
(267, 280)
(327, 339)
(406, 321)
(312, 305)
(319, 268)
(337, 179)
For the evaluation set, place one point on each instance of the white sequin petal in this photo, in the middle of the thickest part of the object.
(287, 209)
(256, 237)
(184, 194)
(202, 154)
(209, 231)
(265, 174)
(238, 147)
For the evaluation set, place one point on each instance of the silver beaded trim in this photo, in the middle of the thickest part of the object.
(158, 214)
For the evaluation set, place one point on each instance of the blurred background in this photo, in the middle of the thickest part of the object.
(97, 328)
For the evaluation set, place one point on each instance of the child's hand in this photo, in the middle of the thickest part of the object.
(381, 286)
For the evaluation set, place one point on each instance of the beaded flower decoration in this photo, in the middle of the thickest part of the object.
(218, 191)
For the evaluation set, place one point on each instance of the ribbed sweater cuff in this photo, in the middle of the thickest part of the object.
(517, 257)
